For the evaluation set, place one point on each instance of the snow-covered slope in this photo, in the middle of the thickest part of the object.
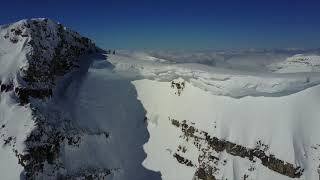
(282, 127)
(16, 123)
(215, 123)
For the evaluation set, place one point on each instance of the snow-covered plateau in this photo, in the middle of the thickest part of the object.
(68, 110)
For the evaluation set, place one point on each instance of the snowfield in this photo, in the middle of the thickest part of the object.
(220, 81)
(288, 125)
(244, 107)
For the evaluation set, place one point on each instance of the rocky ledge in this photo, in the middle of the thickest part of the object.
(208, 146)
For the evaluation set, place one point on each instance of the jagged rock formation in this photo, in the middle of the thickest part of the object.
(47, 51)
(179, 85)
(205, 143)
(52, 50)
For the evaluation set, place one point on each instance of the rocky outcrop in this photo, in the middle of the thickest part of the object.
(25, 93)
(205, 143)
(52, 51)
(178, 85)
(44, 146)
(6, 87)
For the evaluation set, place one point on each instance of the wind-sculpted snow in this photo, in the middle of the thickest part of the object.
(220, 81)
(297, 63)
(235, 59)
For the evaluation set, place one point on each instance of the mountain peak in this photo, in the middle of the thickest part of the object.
(36, 51)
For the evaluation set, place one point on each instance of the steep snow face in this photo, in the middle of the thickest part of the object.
(111, 124)
(284, 127)
(93, 131)
(214, 123)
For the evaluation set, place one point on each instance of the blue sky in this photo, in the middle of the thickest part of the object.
(180, 25)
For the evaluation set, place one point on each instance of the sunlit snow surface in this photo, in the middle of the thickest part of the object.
(243, 107)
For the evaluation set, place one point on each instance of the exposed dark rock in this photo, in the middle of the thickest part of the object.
(179, 86)
(14, 40)
(6, 87)
(24, 94)
(205, 173)
(9, 140)
(213, 143)
(183, 160)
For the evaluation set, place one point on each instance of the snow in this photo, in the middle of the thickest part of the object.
(112, 108)
(245, 106)
(12, 55)
(16, 122)
(220, 81)
(287, 124)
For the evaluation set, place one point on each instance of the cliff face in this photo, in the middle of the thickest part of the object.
(36, 56)
(41, 50)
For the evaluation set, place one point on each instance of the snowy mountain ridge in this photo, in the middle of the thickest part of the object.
(69, 111)
(35, 57)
